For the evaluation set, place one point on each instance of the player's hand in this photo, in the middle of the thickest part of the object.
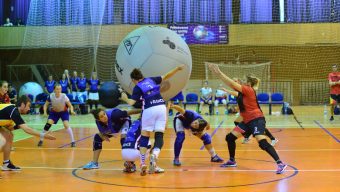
(123, 96)
(214, 68)
(105, 138)
(181, 67)
(48, 136)
(45, 114)
(73, 113)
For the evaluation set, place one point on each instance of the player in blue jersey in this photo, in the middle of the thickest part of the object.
(190, 120)
(109, 123)
(64, 84)
(154, 114)
(94, 84)
(74, 81)
(49, 85)
(81, 86)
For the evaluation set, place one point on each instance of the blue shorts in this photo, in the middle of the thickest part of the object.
(55, 116)
(178, 97)
(219, 99)
(205, 101)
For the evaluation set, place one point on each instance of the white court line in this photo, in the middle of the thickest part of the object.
(197, 150)
(192, 170)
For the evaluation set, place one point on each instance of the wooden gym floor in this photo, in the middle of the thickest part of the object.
(312, 153)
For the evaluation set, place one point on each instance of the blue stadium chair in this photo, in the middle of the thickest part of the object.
(276, 99)
(263, 98)
(70, 96)
(191, 99)
(41, 98)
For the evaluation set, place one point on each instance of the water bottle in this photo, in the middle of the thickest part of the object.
(285, 107)
(325, 110)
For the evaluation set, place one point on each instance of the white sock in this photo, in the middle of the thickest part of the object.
(70, 132)
(156, 152)
(42, 138)
(212, 152)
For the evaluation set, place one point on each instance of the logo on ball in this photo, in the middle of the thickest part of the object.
(119, 69)
(130, 43)
(168, 42)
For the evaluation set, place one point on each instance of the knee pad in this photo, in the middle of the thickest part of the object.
(216, 103)
(47, 126)
(264, 144)
(158, 140)
(97, 142)
(206, 139)
(230, 137)
(224, 102)
(144, 141)
(180, 137)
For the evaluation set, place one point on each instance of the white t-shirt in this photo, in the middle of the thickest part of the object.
(206, 92)
(58, 104)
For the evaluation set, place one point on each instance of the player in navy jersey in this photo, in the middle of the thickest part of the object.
(81, 86)
(154, 113)
(64, 84)
(190, 120)
(94, 84)
(49, 85)
(73, 81)
(109, 123)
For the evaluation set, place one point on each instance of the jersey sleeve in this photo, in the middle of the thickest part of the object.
(136, 93)
(16, 117)
(157, 80)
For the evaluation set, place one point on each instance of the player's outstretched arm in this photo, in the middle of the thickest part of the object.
(172, 72)
(178, 108)
(31, 131)
(227, 80)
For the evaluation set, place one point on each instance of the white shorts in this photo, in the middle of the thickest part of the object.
(74, 94)
(154, 119)
(82, 96)
(93, 96)
(130, 154)
(178, 125)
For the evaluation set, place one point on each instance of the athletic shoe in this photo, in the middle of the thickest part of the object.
(229, 163)
(10, 167)
(40, 143)
(130, 167)
(91, 165)
(143, 169)
(216, 159)
(246, 140)
(274, 142)
(158, 170)
(73, 144)
(332, 118)
(176, 162)
(281, 168)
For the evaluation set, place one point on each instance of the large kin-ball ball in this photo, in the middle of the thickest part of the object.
(155, 51)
